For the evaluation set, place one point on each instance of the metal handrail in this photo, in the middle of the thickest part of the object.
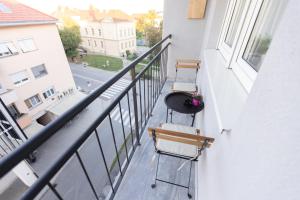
(22, 152)
(11, 160)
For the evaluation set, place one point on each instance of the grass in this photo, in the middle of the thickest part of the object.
(104, 62)
(139, 68)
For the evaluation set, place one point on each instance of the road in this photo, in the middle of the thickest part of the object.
(71, 182)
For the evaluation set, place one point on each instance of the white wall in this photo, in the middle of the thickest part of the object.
(259, 158)
(186, 34)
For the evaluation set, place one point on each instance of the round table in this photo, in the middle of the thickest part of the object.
(181, 102)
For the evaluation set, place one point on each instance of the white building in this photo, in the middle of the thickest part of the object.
(109, 36)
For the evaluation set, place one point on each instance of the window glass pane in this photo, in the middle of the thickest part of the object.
(27, 45)
(39, 71)
(262, 32)
(234, 21)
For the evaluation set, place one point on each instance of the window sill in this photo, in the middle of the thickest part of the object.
(33, 107)
(9, 55)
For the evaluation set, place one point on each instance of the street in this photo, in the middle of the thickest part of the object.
(88, 79)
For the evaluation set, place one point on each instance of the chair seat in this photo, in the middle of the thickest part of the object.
(184, 87)
(177, 147)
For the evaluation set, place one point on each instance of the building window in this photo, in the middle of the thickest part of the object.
(261, 35)
(86, 31)
(14, 111)
(27, 45)
(99, 31)
(48, 93)
(247, 33)
(102, 44)
(95, 43)
(39, 71)
(93, 32)
(89, 42)
(19, 78)
(33, 101)
(7, 49)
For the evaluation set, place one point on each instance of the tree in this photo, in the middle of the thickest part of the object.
(153, 36)
(70, 37)
(144, 21)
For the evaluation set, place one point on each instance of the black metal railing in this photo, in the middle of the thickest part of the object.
(139, 98)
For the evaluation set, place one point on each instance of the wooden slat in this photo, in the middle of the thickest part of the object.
(180, 134)
(188, 63)
(181, 140)
(196, 9)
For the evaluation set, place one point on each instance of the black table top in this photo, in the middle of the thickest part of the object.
(177, 102)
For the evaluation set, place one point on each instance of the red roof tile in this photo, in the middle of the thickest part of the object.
(21, 14)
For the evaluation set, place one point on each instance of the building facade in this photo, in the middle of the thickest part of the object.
(30, 79)
(109, 36)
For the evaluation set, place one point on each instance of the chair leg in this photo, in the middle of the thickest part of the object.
(156, 172)
(188, 193)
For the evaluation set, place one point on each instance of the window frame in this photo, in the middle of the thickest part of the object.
(32, 106)
(41, 75)
(234, 60)
(224, 48)
(45, 92)
(240, 67)
(16, 52)
(27, 38)
(21, 82)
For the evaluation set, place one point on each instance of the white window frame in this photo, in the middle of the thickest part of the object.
(224, 48)
(234, 56)
(22, 47)
(22, 81)
(34, 103)
(11, 48)
(242, 69)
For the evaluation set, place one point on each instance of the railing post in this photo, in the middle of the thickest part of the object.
(135, 107)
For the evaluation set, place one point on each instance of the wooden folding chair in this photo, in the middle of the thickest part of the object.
(186, 64)
(178, 141)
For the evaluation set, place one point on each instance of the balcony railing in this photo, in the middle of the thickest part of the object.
(139, 97)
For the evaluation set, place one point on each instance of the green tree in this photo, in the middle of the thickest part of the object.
(70, 37)
(153, 35)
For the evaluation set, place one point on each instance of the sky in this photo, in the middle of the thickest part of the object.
(129, 6)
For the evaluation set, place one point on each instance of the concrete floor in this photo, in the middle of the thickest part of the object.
(136, 184)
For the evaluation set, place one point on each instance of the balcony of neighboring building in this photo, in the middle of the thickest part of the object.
(8, 96)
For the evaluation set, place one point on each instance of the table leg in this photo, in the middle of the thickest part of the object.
(171, 116)
(167, 115)
(193, 116)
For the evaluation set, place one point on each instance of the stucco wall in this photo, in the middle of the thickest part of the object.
(49, 52)
(187, 34)
(259, 158)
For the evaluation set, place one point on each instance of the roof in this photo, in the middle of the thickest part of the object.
(14, 13)
(92, 14)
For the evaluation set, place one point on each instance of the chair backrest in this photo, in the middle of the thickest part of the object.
(188, 63)
(196, 140)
